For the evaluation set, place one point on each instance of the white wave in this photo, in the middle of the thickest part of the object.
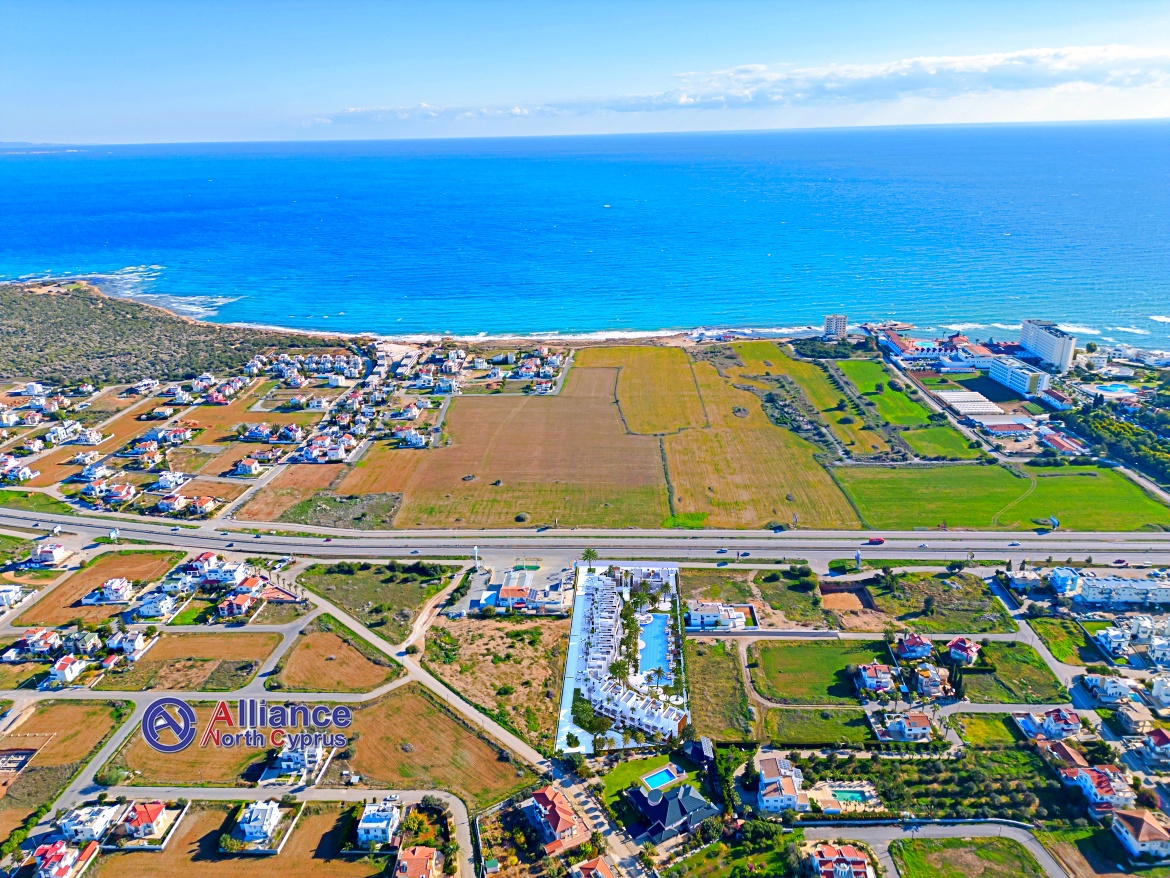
(1135, 330)
(1078, 330)
(198, 307)
(963, 327)
(1007, 325)
(1160, 318)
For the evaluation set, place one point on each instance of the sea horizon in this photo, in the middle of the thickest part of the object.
(966, 228)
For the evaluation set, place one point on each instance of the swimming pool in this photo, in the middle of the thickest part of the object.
(663, 776)
(652, 654)
(849, 795)
(1114, 388)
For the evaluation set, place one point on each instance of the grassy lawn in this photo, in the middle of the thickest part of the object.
(383, 597)
(893, 405)
(959, 857)
(940, 442)
(983, 729)
(13, 549)
(630, 772)
(721, 859)
(983, 497)
(1021, 677)
(962, 602)
(198, 612)
(812, 728)
(719, 703)
(30, 501)
(811, 672)
(787, 596)
(1066, 642)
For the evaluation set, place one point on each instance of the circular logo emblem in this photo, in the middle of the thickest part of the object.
(172, 716)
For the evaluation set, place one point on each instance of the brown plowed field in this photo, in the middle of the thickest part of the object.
(214, 766)
(311, 852)
(566, 457)
(64, 602)
(408, 741)
(209, 488)
(323, 662)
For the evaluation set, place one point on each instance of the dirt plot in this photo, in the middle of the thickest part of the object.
(225, 461)
(52, 466)
(63, 603)
(211, 488)
(195, 661)
(409, 741)
(188, 460)
(313, 851)
(298, 482)
(334, 661)
(381, 465)
(532, 459)
(66, 734)
(507, 668)
(195, 766)
(845, 600)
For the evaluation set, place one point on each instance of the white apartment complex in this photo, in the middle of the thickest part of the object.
(1018, 376)
(1050, 343)
(836, 327)
(609, 696)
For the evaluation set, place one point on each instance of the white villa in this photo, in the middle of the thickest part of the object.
(378, 823)
(258, 822)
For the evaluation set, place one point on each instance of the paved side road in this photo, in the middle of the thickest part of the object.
(879, 838)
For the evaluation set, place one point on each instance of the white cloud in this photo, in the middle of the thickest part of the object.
(1086, 82)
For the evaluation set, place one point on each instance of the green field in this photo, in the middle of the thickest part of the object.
(962, 602)
(737, 857)
(939, 442)
(1021, 677)
(767, 358)
(814, 728)
(15, 549)
(811, 672)
(719, 703)
(892, 405)
(31, 501)
(1067, 642)
(383, 597)
(705, 583)
(788, 596)
(991, 497)
(961, 857)
(988, 729)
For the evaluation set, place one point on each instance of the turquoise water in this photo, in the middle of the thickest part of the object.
(659, 778)
(848, 796)
(970, 227)
(1115, 388)
(654, 636)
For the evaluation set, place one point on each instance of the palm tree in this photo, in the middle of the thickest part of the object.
(589, 556)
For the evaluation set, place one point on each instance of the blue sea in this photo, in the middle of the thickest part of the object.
(964, 227)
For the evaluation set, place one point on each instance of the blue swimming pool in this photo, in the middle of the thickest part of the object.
(1115, 388)
(661, 777)
(654, 639)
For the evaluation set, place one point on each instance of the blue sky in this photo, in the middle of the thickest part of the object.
(115, 72)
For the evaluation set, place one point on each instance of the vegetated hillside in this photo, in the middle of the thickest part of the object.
(70, 333)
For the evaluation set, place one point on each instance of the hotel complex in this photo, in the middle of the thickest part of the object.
(635, 698)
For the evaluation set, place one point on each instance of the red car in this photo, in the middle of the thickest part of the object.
(875, 541)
